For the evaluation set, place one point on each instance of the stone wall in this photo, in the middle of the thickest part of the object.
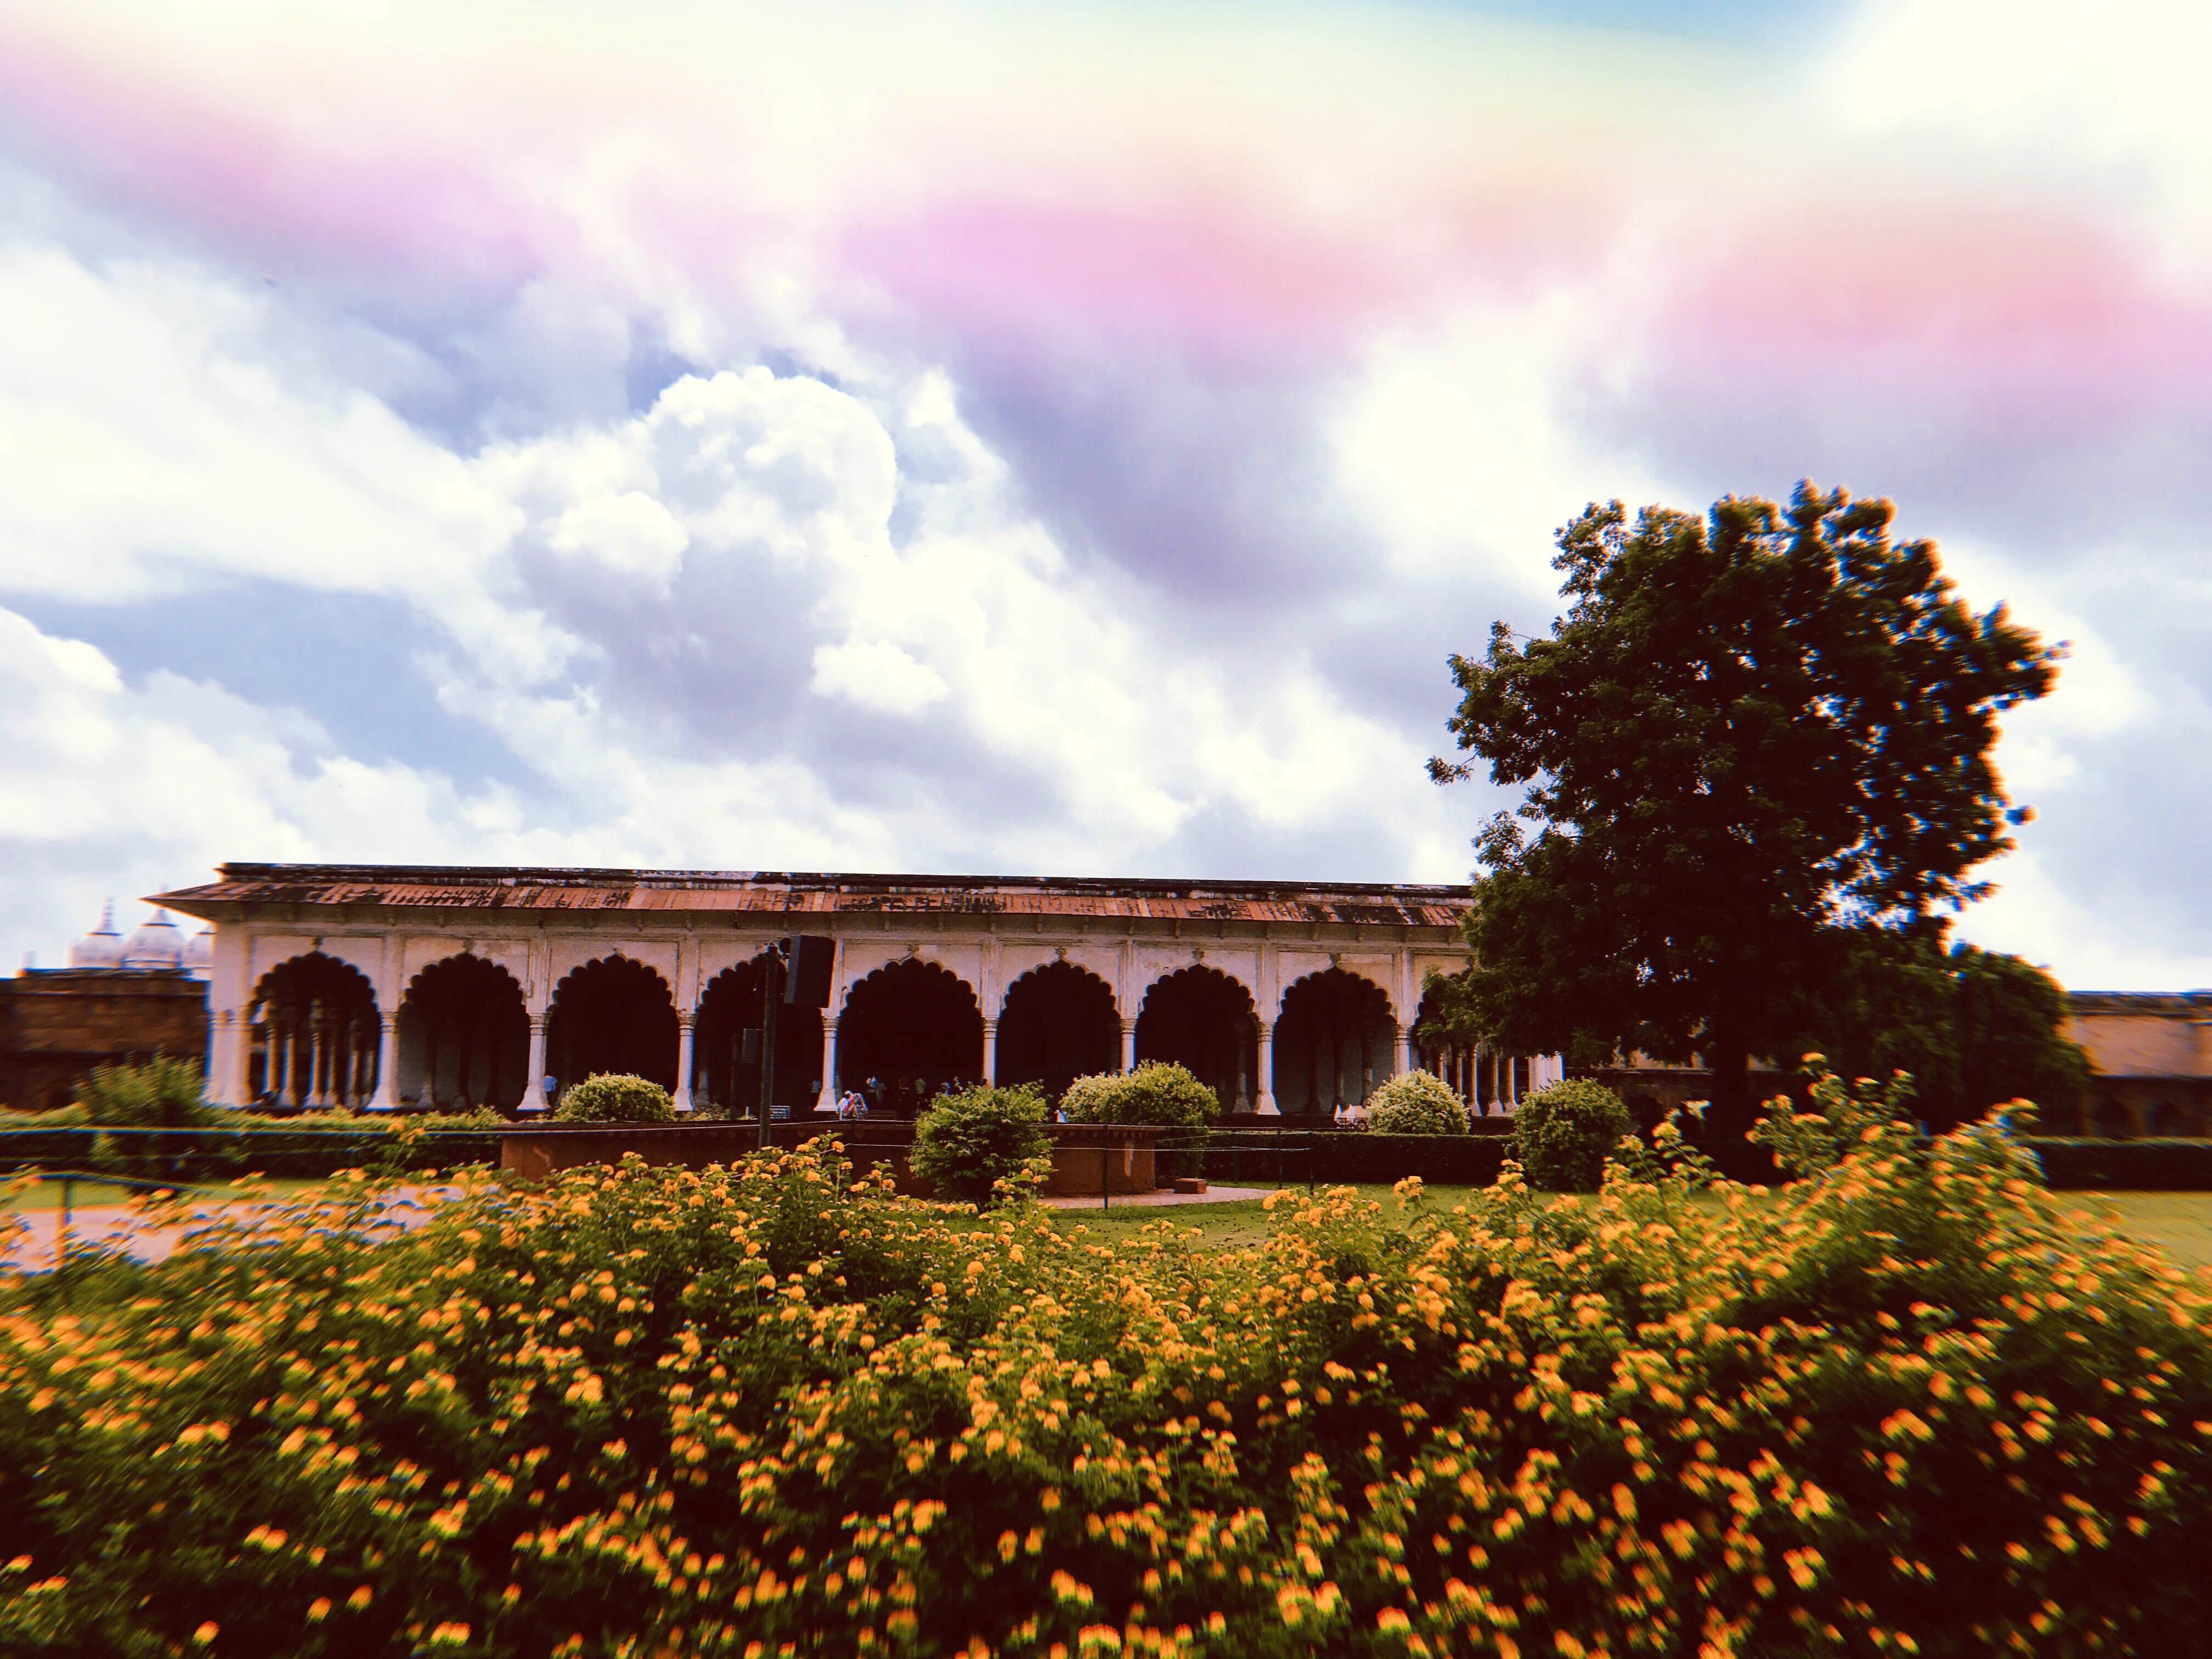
(56, 1024)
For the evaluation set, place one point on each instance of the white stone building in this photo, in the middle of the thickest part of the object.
(395, 985)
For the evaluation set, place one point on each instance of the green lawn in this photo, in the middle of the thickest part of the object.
(2178, 1223)
(91, 1195)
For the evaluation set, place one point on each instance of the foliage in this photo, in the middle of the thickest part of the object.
(1973, 1028)
(1564, 1133)
(615, 1097)
(1417, 1102)
(1749, 736)
(161, 1093)
(969, 1142)
(1904, 1405)
(1158, 1092)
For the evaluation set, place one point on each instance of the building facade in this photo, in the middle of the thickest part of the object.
(2150, 1058)
(390, 985)
(120, 1000)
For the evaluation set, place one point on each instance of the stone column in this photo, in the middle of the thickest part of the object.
(1129, 1045)
(827, 1100)
(387, 1063)
(533, 1093)
(286, 1036)
(1265, 1102)
(1404, 1061)
(684, 1062)
(990, 1053)
(233, 1057)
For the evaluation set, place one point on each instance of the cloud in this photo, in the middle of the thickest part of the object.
(877, 675)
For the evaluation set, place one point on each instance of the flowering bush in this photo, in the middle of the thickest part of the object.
(1904, 1406)
(1564, 1133)
(1416, 1103)
(615, 1097)
(968, 1143)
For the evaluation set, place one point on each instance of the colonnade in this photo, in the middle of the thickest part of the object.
(465, 1028)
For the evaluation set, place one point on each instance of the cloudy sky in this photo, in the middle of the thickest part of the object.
(1044, 439)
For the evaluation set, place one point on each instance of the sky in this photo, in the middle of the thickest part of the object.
(1061, 440)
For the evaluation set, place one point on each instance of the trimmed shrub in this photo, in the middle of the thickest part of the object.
(615, 1097)
(1564, 1133)
(1159, 1093)
(968, 1143)
(1416, 1103)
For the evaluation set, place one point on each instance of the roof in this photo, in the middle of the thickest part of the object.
(244, 888)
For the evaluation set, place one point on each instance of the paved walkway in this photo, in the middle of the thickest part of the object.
(1161, 1200)
(34, 1246)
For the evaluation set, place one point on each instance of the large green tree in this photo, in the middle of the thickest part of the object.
(1752, 737)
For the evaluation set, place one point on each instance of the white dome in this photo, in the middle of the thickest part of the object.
(199, 953)
(155, 944)
(100, 948)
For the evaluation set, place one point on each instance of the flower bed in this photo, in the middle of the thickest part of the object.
(1901, 1407)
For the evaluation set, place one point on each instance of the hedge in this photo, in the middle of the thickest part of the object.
(2153, 1166)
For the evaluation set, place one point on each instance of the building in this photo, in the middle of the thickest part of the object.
(2150, 1057)
(120, 1000)
(390, 986)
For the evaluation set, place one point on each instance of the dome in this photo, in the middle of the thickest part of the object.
(156, 944)
(199, 953)
(100, 948)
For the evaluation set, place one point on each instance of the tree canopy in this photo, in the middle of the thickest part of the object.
(1755, 739)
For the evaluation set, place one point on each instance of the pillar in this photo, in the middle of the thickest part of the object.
(827, 1100)
(284, 1037)
(1265, 1104)
(234, 1057)
(387, 1063)
(533, 1092)
(683, 1023)
(990, 1053)
(1403, 1062)
(1129, 1045)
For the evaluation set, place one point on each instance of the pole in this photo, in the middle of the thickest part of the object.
(771, 996)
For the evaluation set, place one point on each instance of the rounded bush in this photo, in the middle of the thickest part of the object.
(1158, 1091)
(615, 1097)
(968, 1143)
(1562, 1134)
(1416, 1103)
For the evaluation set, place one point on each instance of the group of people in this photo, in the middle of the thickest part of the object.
(900, 1097)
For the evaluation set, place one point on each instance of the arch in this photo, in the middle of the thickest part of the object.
(315, 1035)
(464, 1037)
(913, 1026)
(1202, 1018)
(721, 1080)
(1059, 1023)
(2113, 1121)
(1333, 1042)
(2167, 1120)
(1436, 1050)
(611, 1015)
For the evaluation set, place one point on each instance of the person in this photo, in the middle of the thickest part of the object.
(552, 1087)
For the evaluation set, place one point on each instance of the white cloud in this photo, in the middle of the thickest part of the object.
(877, 675)
(630, 535)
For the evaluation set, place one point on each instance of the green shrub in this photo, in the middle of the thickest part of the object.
(967, 1143)
(1564, 1133)
(1416, 1103)
(163, 1093)
(1904, 1405)
(615, 1097)
(1158, 1092)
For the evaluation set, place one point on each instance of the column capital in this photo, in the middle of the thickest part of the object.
(684, 1019)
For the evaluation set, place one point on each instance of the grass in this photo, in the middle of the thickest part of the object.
(2179, 1223)
(46, 1195)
